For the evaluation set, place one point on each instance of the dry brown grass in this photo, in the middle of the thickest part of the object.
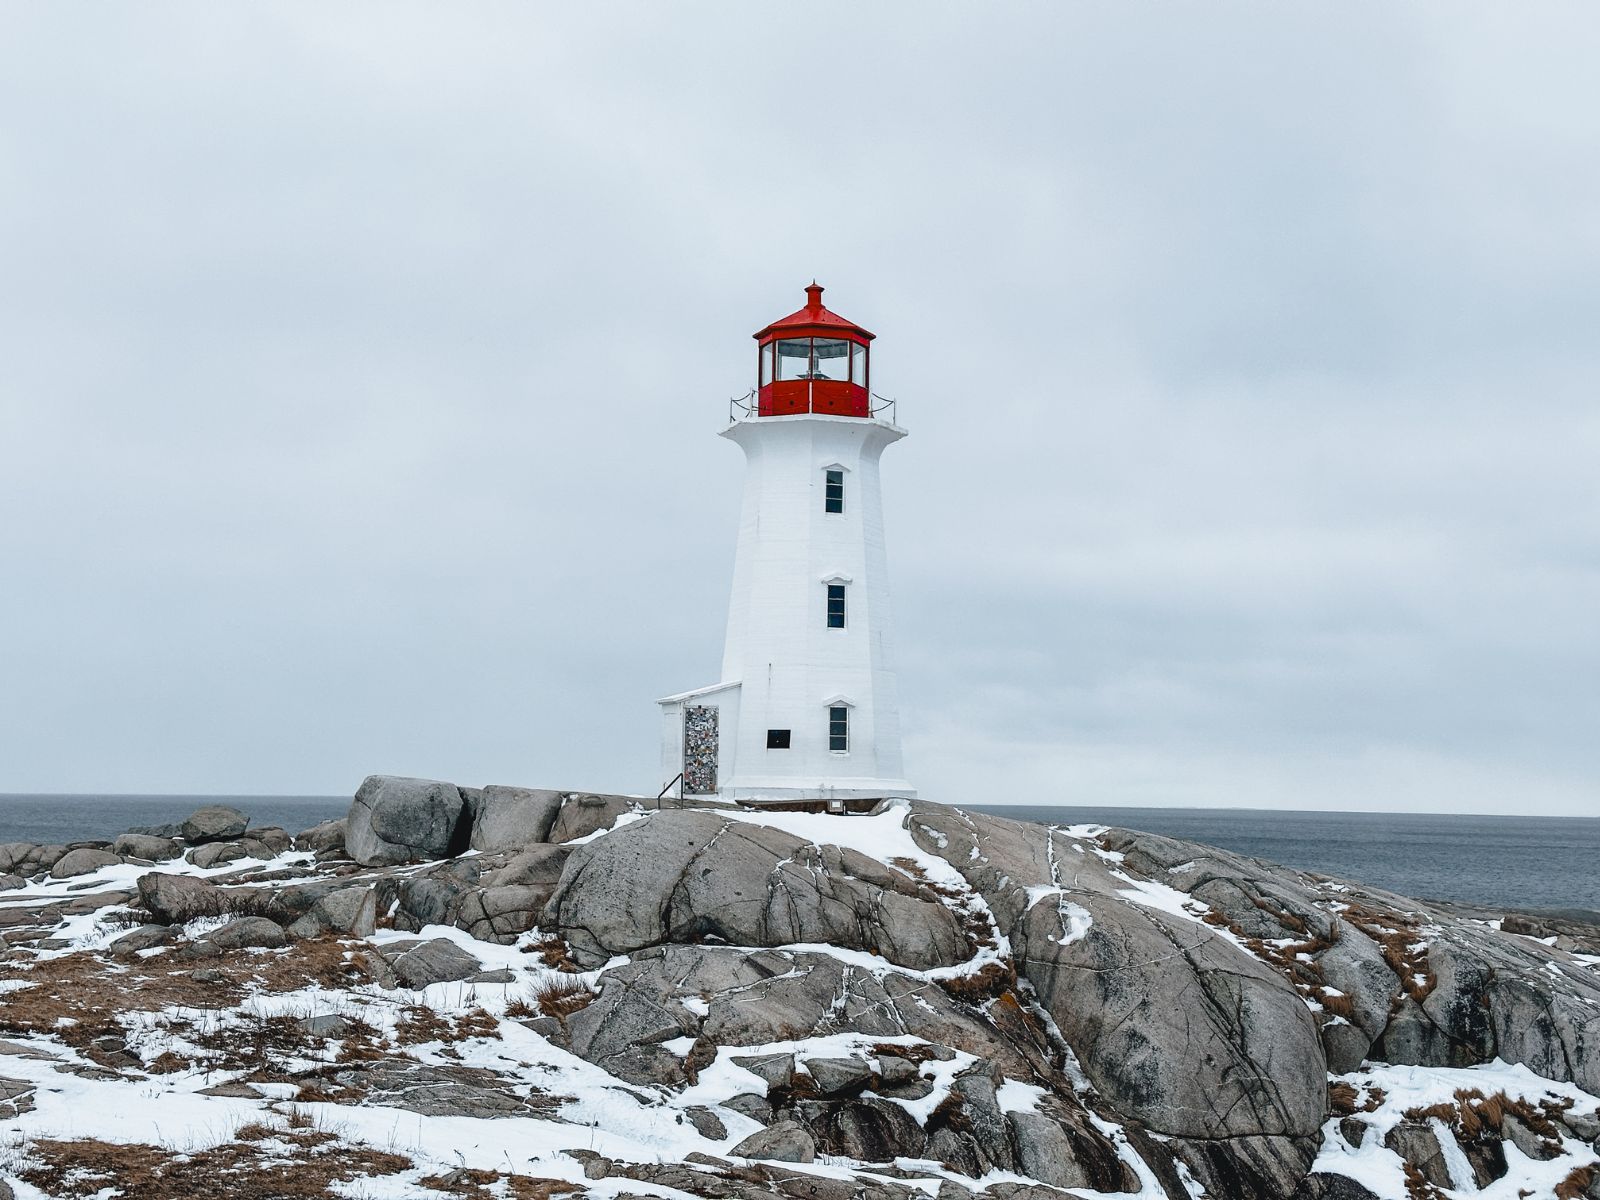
(1471, 1114)
(1576, 1185)
(1401, 944)
(1306, 976)
(490, 1185)
(243, 1169)
(79, 997)
(917, 1052)
(554, 953)
(560, 997)
(1418, 1188)
(1337, 1004)
(1291, 921)
(992, 981)
(1343, 1099)
(418, 1023)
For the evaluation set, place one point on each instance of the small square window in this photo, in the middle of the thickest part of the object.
(833, 491)
(839, 728)
(777, 739)
(836, 606)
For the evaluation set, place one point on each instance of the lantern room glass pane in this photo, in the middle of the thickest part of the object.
(794, 358)
(766, 364)
(858, 364)
(832, 359)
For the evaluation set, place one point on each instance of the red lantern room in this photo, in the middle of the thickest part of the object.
(813, 361)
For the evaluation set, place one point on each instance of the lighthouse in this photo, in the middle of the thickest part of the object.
(806, 709)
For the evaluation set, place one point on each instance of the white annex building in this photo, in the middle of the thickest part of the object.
(806, 709)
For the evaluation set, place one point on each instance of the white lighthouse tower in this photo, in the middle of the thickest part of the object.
(807, 706)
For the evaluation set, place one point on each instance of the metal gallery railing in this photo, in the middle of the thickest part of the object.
(743, 408)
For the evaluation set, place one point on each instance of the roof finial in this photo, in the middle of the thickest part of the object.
(814, 295)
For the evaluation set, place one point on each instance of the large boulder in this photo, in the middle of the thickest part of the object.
(501, 914)
(351, 910)
(215, 854)
(583, 814)
(658, 880)
(784, 1141)
(323, 838)
(537, 866)
(141, 938)
(243, 933)
(175, 899)
(25, 858)
(151, 849)
(82, 862)
(421, 964)
(266, 843)
(214, 823)
(510, 818)
(1058, 1145)
(397, 820)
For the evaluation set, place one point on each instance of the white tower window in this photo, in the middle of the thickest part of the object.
(835, 606)
(833, 490)
(839, 728)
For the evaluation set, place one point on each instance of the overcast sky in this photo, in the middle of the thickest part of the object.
(360, 370)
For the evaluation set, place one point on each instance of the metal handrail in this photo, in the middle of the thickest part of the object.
(675, 779)
(746, 406)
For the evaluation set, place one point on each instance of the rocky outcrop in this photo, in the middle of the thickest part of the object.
(175, 899)
(394, 820)
(1422, 987)
(214, 823)
(81, 862)
(150, 849)
(782, 1141)
(583, 814)
(1178, 1026)
(1032, 1009)
(510, 818)
(421, 964)
(352, 911)
(324, 838)
(681, 876)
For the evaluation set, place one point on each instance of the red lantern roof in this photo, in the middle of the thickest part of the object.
(813, 320)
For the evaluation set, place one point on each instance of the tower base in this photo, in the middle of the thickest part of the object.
(763, 793)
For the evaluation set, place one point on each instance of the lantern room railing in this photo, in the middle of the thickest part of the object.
(747, 406)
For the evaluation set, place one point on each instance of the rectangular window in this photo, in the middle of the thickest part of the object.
(836, 606)
(777, 739)
(833, 491)
(839, 729)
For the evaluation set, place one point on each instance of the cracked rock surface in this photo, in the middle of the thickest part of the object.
(572, 994)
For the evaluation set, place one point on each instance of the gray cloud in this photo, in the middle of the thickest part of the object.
(359, 370)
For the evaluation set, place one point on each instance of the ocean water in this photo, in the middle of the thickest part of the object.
(52, 820)
(1529, 862)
